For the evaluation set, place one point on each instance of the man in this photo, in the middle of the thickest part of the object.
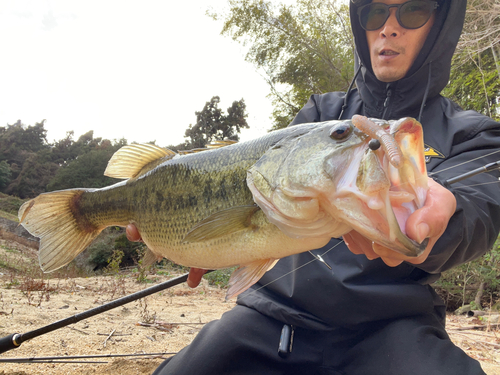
(374, 312)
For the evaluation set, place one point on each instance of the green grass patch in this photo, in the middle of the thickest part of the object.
(219, 278)
(8, 216)
(10, 205)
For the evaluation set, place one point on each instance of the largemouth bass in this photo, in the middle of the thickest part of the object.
(246, 204)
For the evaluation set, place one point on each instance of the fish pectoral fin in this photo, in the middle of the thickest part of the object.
(222, 223)
(135, 160)
(247, 275)
(149, 258)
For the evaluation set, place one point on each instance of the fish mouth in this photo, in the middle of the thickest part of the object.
(387, 203)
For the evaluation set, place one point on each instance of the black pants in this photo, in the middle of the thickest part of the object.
(244, 341)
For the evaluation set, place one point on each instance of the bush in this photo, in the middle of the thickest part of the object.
(111, 240)
(220, 278)
(10, 204)
(475, 282)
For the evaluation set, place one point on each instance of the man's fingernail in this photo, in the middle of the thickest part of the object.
(422, 232)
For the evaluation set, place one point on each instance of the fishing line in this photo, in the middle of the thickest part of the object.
(296, 269)
(465, 162)
(484, 183)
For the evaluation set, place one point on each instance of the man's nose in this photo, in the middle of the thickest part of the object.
(391, 28)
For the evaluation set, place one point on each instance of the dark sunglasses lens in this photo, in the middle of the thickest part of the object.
(415, 14)
(373, 17)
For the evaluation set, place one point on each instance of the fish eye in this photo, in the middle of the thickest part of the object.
(341, 132)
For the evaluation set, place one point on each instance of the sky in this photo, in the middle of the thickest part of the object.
(132, 69)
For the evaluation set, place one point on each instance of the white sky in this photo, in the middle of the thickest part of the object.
(133, 69)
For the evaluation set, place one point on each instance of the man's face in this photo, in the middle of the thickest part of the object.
(393, 49)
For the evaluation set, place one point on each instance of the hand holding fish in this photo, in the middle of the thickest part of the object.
(430, 221)
(195, 274)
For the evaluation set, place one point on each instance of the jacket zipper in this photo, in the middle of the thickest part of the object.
(387, 101)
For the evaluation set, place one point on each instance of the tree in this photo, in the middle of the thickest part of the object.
(475, 74)
(18, 141)
(482, 29)
(300, 49)
(5, 174)
(475, 84)
(35, 173)
(212, 125)
(86, 169)
(19, 147)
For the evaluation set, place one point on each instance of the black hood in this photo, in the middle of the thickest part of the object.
(425, 79)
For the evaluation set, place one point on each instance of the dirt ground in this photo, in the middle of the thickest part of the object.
(162, 323)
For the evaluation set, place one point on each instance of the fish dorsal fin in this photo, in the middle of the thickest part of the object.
(135, 160)
(222, 223)
(247, 275)
(211, 146)
(219, 144)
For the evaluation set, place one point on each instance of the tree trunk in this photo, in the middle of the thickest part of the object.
(479, 295)
(496, 58)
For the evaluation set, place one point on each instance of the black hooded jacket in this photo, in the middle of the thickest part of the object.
(304, 292)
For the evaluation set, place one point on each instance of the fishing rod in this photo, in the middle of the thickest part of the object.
(15, 340)
(486, 168)
(71, 358)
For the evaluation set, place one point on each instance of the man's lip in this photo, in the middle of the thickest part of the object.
(391, 52)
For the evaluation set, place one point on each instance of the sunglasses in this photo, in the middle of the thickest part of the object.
(410, 15)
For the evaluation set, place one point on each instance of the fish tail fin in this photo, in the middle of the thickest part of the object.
(62, 231)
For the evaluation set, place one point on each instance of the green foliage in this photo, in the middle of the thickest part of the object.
(475, 73)
(36, 172)
(212, 125)
(10, 204)
(301, 49)
(460, 285)
(86, 171)
(99, 255)
(475, 83)
(5, 174)
(114, 262)
(219, 278)
(112, 244)
(16, 138)
(18, 143)
(82, 163)
(28, 164)
(132, 251)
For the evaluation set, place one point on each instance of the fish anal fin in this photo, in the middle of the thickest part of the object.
(136, 159)
(247, 275)
(271, 266)
(222, 223)
(149, 258)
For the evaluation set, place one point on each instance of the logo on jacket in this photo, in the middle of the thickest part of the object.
(429, 153)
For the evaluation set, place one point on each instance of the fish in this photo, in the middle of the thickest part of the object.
(247, 204)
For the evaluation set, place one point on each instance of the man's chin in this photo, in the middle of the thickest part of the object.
(388, 75)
